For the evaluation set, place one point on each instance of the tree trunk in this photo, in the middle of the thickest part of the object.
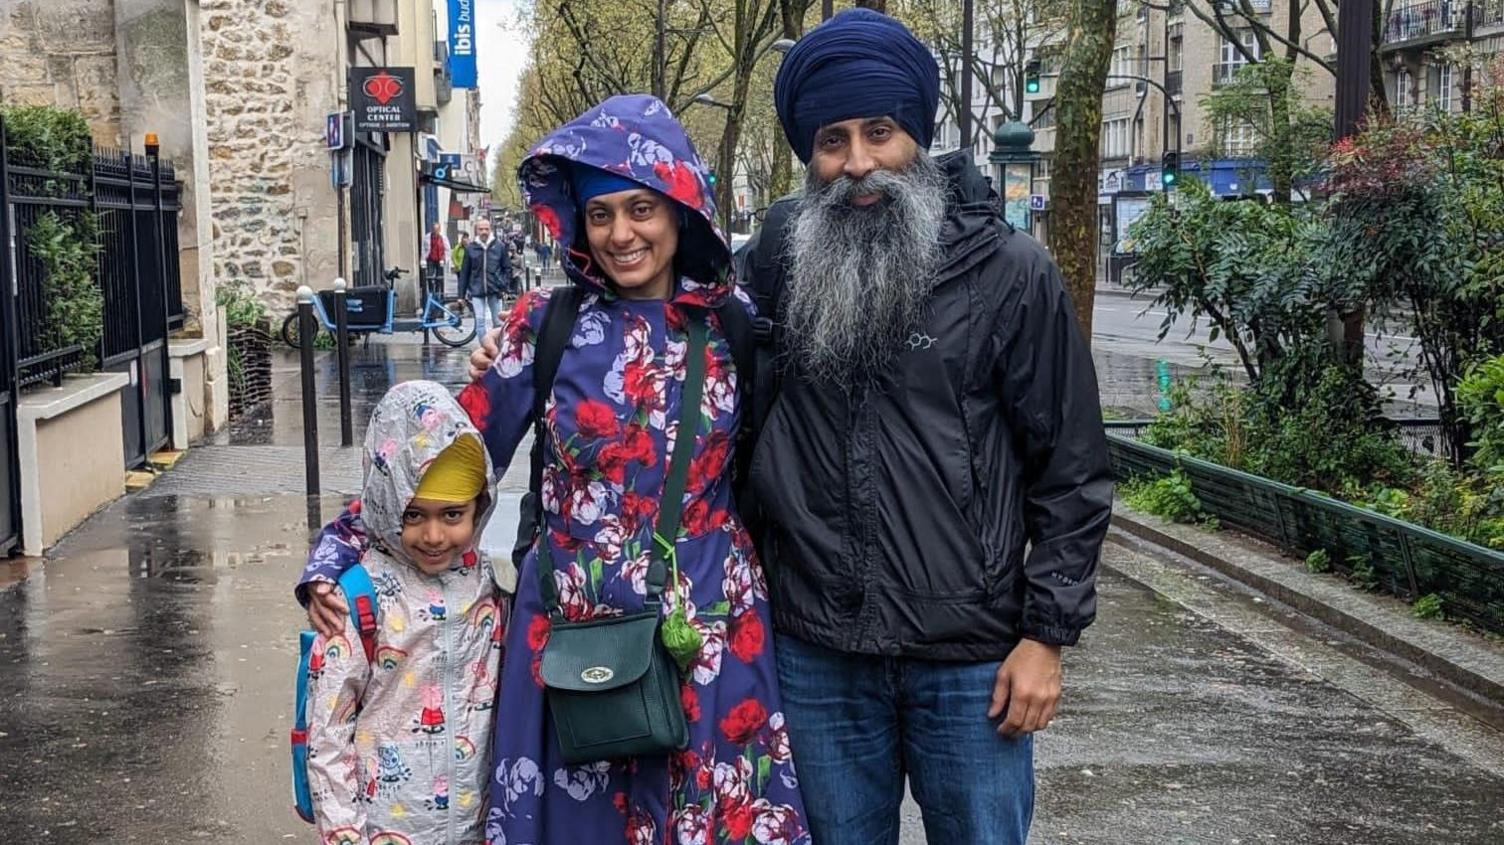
(874, 5)
(1078, 110)
(781, 183)
(1281, 175)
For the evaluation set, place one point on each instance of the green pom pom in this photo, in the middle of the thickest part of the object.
(680, 638)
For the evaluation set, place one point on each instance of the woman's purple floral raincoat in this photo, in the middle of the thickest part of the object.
(611, 423)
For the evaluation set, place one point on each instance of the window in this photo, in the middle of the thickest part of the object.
(1230, 58)
(1404, 91)
(1240, 139)
(1177, 49)
(1115, 138)
(1444, 87)
(1122, 65)
(1046, 120)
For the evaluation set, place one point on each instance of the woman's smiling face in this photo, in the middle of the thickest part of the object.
(633, 236)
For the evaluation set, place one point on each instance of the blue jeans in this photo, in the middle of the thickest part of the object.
(859, 724)
(488, 313)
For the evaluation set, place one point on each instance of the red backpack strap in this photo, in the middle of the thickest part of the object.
(365, 614)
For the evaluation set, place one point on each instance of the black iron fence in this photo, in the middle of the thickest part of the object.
(128, 204)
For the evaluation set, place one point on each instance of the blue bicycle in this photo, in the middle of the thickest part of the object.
(370, 310)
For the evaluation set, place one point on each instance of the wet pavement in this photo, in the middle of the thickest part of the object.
(146, 680)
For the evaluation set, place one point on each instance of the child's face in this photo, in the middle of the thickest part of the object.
(435, 534)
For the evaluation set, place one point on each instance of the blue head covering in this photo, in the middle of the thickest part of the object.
(591, 182)
(859, 63)
(629, 141)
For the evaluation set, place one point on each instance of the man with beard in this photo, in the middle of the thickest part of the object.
(932, 474)
(930, 488)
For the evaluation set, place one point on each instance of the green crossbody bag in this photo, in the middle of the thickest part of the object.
(611, 683)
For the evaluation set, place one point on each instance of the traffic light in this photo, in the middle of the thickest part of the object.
(1031, 76)
(1169, 171)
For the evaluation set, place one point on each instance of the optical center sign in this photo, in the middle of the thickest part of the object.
(383, 99)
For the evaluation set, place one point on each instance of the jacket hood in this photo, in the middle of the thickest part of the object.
(634, 136)
(973, 215)
(412, 424)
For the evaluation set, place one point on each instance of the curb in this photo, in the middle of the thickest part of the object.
(1375, 620)
(1145, 297)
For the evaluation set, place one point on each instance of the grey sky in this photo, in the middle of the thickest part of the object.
(501, 52)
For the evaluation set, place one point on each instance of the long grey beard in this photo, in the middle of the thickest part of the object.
(861, 276)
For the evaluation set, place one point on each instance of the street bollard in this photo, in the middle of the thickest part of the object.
(306, 329)
(342, 354)
(1162, 371)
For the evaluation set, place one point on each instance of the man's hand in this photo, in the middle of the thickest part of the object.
(327, 610)
(482, 358)
(1028, 687)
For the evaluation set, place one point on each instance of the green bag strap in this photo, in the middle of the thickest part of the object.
(676, 478)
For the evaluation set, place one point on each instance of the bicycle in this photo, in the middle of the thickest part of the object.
(370, 310)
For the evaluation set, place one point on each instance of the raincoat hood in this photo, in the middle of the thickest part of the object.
(636, 137)
(412, 424)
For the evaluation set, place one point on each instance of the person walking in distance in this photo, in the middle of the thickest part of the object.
(436, 255)
(485, 276)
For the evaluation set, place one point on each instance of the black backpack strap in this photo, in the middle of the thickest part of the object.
(741, 335)
(553, 335)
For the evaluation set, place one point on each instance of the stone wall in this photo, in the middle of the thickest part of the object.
(270, 72)
(62, 53)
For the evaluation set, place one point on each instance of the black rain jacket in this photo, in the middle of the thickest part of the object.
(960, 502)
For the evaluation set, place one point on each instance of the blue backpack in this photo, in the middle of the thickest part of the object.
(360, 594)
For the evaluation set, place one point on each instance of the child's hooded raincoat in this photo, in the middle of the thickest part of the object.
(611, 422)
(393, 743)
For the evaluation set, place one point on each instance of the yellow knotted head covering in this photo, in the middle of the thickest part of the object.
(458, 474)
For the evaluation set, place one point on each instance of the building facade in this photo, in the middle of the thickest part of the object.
(1185, 58)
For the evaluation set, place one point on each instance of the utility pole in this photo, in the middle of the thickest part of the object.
(827, 8)
(1354, 45)
(968, 13)
(1354, 53)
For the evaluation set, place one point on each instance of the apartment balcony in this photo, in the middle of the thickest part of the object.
(1488, 14)
(1424, 24)
(373, 17)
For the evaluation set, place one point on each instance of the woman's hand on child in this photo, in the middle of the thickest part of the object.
(482, 358)
(327, 610)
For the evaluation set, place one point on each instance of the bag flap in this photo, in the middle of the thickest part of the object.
(599, 655)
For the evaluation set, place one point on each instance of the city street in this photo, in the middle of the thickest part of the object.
(1126, 346)
(146, 678)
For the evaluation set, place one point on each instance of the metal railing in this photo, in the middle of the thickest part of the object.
(1488, 13)
(1424, 19)
(1405, 559)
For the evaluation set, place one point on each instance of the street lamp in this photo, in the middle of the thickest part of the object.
(1014, 159)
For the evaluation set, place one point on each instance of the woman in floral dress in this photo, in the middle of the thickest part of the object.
(645, 258)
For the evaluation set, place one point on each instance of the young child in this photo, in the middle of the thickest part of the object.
(393, 741)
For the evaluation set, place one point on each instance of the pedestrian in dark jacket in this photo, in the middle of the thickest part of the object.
(932, 475)
(485, 276)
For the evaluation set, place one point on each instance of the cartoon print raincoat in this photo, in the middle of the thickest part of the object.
(396, 744)
(611, 422)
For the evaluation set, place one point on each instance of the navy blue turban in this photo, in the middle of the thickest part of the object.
(859, 63)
